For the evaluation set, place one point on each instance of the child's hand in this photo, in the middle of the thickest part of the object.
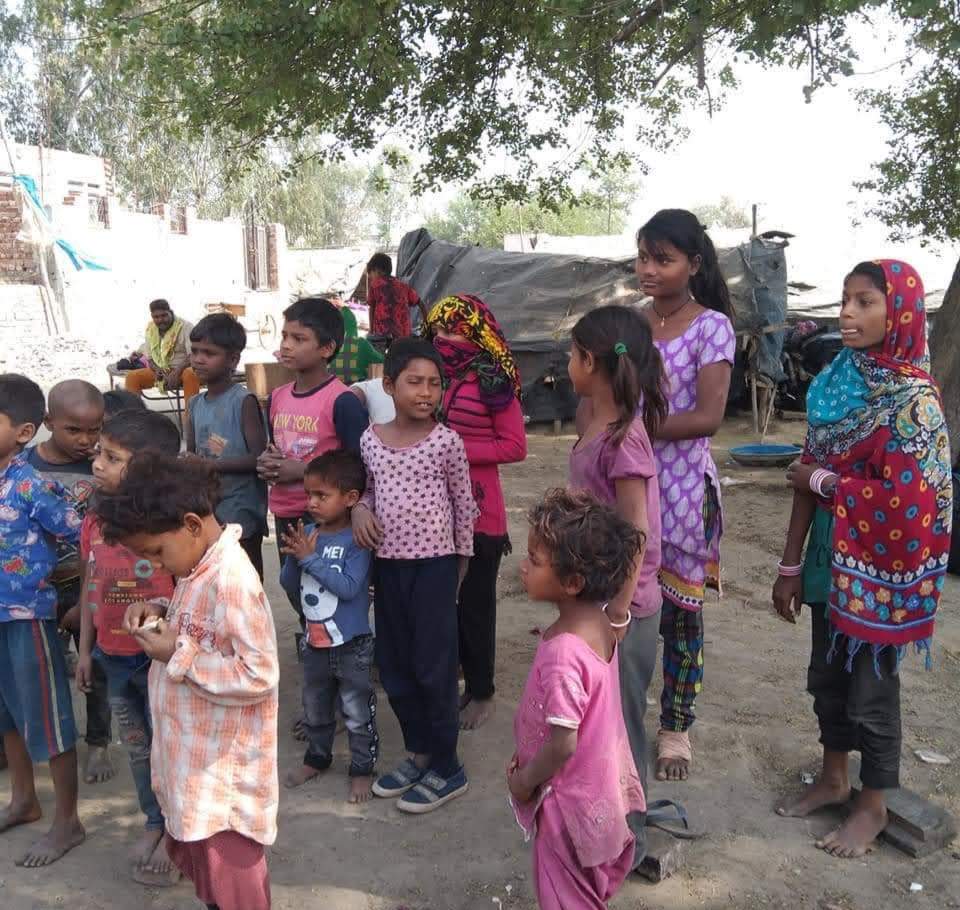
(139, 613)
(786, 597)
(288, 470)
(71, 619)
(367, 530)
(799, 474)
(516, 782)
(158, 643)
(298, 543)
(84, 675)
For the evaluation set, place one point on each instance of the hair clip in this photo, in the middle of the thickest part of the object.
(619, 349)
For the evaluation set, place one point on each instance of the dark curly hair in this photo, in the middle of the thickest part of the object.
(340, 468)
(156, 492)
(587, 538)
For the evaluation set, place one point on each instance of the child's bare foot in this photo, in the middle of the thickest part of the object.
(143, 847)
(15, 815)
(823, 793)
(464, 700)
(298, 776)
(98, 768)
(361, 789)
(476, 713)
(673, 755)
(59, 840)
(856, 836)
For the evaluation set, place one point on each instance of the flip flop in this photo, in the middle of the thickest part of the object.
(670, 817)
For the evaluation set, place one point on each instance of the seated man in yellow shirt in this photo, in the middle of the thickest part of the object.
(167, 351)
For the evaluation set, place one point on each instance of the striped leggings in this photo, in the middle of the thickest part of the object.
(682, 632)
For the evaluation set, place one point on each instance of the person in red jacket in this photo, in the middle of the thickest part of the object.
(390, 300)
(482, 403)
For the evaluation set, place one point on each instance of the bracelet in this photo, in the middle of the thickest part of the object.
(789, 571)
(817, 480)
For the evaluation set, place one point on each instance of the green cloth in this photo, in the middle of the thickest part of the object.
(356, 354)
(816, 563)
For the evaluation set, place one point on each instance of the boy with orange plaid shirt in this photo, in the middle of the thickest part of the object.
(213, 682)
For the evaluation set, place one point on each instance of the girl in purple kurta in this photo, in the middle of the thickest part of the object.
(572, 778)
(690, 317)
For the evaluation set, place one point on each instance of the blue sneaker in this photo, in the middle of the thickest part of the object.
(399, 780)
(432, 792)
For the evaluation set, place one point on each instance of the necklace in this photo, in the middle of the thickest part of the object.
(663, 319)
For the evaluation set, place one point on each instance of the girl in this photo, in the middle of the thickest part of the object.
(213, 681)
(875, 485)
(615, 365)
(418, 514)
(482, 403)
(572, 779)
(690, 316)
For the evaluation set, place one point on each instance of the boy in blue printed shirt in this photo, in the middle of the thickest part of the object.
(36, 713)
(328, 574)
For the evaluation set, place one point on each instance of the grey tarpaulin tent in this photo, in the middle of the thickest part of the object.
(537, 299)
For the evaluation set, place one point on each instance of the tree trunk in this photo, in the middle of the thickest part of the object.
(945, 354)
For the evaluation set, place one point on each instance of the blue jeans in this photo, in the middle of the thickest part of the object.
(127, 690)
(340, 675)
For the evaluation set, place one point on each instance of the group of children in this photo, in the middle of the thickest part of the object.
(172, 622)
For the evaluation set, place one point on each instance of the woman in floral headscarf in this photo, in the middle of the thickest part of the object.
(482, 403)
(874, 489)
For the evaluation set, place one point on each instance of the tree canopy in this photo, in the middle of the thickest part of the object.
(545, 81)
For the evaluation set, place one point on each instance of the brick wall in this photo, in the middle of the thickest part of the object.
(18, 262)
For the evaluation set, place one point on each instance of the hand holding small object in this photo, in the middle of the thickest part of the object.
(158, 639)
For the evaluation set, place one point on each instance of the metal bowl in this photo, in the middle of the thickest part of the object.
(766, 455)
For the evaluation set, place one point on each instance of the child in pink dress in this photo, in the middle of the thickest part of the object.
(572, 778)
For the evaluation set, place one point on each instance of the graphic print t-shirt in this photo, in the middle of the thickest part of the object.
(116, 578)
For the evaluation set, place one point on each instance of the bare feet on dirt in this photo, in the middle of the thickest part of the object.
(361, 789)
(856, 836)
(823, 793)
(98, 768)
(672, 769)
(143, 847)
(298, 776)
(159, 871)
(476, 713)
(14, 816)
(59, 840)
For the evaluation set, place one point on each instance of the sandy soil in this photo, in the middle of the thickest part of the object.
(755, 735)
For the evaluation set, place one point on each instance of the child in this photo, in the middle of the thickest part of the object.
(482, 403)
(226, 426)
(356, 355)
(117, 400)
(74, 417)
(115, 578)
(329, 574)
(875, 482)
(213, 681)
(418, 513)
(572, 779)
(690, 316)
(390, 300)
(309, 416)
(36, 715)
(615, 365)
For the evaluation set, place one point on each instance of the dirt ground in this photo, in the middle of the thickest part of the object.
(755, 735)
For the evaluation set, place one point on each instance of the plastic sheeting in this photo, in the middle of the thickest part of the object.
(538, 298)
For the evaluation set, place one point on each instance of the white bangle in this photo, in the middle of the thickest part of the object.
(617, 625)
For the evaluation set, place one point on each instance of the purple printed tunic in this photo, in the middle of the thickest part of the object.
(689, 560)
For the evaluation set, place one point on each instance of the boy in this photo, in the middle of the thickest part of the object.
(390, 300)
(36, 715)
(113, 579)
(328, 573)
(418, 513)
(225, 425)
(309, 416)
(74, 417)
